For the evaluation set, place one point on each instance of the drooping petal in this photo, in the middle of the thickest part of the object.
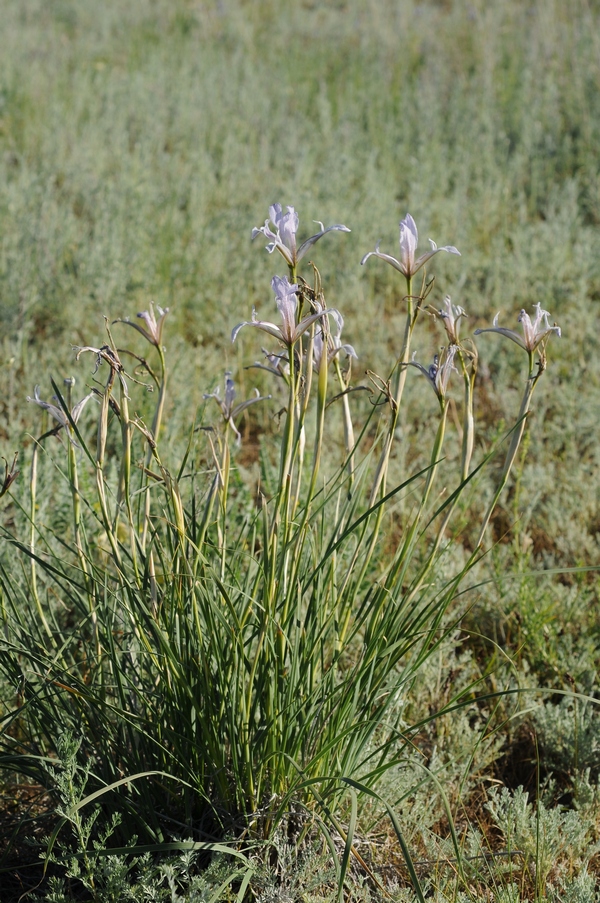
(338, 318)
(271, 328)
(429, 372)
(315, 238)
(509, 333)
(387, 257)
(429, 254)
(306, 323)
(78, 408)
(57, 413)
(250, 401)
(347, 349)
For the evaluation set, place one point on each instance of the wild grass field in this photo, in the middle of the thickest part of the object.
(279, 686)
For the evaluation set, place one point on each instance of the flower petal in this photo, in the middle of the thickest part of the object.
(78, 408)
(387, 257)
(409, 238)
(509, 333)
(271, 328)
(428, 254)
(314, 238)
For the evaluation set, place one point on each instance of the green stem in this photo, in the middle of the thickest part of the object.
(379, 482)
(100, 450)
(287, 447)
(225, 469)
(348, 427)
(83, 563)
(467, 451)
(156, 425)
(126, 477)
(32, 497)
(398, 390)
(514, 444)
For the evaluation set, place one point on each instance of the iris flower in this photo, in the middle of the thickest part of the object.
(335, 346)
(451, 316)
(438, 373)
(226, 404)
(56, 412)
(284, 238)
(409, 237)
(533, 333)
(154, 327)
(287, 303)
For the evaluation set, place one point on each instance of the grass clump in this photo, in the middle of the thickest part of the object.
(143, 518)
(224, 662)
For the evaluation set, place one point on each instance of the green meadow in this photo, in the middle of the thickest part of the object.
(343, 643)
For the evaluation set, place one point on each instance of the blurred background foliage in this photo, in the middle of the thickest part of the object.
(140, 143)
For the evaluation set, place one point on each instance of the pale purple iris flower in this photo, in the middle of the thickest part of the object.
(451, 315)
(438, 373)
(287, 303)
(534, 333)
(154, 327)
(284, 238)
(57, 412)
(334, 343)
(230, 410)
(409, 237)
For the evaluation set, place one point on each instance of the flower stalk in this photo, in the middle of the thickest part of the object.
(515, 442)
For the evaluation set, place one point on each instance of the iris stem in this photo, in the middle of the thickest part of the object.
(514, 443)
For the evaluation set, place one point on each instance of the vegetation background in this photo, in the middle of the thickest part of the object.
(141, 142)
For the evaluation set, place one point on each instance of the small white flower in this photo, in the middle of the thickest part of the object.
(409, 237)
(284, 238)
(287, 303)
(533, 333)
